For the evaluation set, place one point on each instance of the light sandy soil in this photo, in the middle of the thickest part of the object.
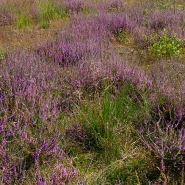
(14, 38)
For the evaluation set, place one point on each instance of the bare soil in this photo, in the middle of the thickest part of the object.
(12, 38)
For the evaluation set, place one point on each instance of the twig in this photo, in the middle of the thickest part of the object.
(182, 181)
(139, 183)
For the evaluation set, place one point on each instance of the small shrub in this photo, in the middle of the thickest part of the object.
(74, 6)
(164, 136)
(167, 46)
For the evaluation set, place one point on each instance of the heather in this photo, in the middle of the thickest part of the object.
(76, 110)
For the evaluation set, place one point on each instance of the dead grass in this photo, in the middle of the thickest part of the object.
(131, 3)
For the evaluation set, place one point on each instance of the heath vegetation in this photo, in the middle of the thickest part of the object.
(73, 110)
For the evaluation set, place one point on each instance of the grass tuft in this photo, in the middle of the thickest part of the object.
(23, 21)
(50, 11)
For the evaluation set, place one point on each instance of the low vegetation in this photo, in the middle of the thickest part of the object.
(74, 111)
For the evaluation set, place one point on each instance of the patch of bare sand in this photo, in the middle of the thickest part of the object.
(12, 38)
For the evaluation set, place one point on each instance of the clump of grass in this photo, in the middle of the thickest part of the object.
(22, 20)
(131, 169)
(45, 24)
(87, 10)
(104, 127)
(103, 122)
(2, 54)
(50, 11)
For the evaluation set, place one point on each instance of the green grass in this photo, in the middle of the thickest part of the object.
(50, 11)
(87, 11)
(2, 54)
(110, 150)
(23, 20)
(129, 170)
(45, 24)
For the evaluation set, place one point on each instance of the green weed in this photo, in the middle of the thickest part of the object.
(167, 46)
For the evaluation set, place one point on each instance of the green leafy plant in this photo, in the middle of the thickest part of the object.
(167, 46)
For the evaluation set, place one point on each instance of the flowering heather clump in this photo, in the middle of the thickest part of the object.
(109, 6)
(165, 138)
(163, 131)
(26, 78)
(60, 175)
(122, 22)
(90, 76)
(167, 20)
(6, 17)
(86, 40)
(74, 6)
(147, 24)
(29, 113)
(168, 80)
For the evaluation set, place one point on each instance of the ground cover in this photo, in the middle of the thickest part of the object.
(98, 101)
